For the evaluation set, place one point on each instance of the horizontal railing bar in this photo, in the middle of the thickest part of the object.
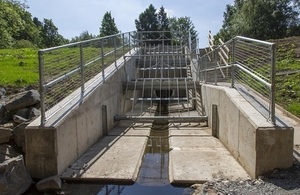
(156, 55)
(217, 68)
(169, 118)
(154, 99)
(172, 79)
(164, 68)
(57, 80)
(253, 75)
(254, 40)
(81, 42)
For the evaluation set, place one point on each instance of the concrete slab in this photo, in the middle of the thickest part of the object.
(113, 158)
(198, 159)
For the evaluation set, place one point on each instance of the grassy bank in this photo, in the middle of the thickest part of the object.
(18, 67)
(288, 74)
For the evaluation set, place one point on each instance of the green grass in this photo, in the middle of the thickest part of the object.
(18, 67)
(288, 85)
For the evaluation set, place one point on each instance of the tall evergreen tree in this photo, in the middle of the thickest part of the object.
(108, 25)
(182, 27)
(164, 24)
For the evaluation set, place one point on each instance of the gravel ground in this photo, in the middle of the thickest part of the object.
(282, 182)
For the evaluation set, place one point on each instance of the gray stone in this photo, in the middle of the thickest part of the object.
(8, 125)
(19, 135)
(22, 100)
(23, 112)
(34, 113)
(5, 134)
(2, 92)
(14, 179)
(17, 119)
(49, 184)
(2, 110)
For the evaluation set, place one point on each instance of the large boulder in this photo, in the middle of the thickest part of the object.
(14, 178)
(22, 100)
(23, 112)
(19, 135)
(5, 134)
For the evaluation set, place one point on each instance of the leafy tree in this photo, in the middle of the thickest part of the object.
(260, 19)
(50, 34)
(181, 28)
(18, 29)
(85, 35)
(11, 23)
(108, 25)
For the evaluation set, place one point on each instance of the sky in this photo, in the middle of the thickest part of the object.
(72, 17)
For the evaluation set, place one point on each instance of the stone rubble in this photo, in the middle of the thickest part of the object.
(14, 178)
(15, 115)
(281, 182)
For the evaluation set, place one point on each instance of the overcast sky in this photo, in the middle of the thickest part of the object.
(72, 17)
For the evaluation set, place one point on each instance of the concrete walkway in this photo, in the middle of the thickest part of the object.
(116, 157)
(197, 157)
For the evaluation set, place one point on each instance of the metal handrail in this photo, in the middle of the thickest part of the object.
(238, 54)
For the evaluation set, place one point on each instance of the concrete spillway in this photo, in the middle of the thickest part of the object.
(83, 141)
(194, 156)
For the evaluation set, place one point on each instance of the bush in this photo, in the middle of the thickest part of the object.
(23, 44)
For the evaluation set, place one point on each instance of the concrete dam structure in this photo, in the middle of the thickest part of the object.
(108, 100)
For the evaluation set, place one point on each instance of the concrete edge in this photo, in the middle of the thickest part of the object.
(287, 113)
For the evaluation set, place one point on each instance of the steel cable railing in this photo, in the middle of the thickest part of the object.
(66, 68)
(249, 66)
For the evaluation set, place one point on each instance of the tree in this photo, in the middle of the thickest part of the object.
(10, 24)
(147, 21)
(50, 34)
(108, 25)
(85, 35)
(164, 25)
(260, 19)
(181, 28)
(18, 29)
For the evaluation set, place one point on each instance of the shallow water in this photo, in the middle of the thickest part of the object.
(153, 177)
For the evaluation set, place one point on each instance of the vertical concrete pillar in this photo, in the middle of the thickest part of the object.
(215, 121)
(104, 120)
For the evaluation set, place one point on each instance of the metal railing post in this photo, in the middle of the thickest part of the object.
(102, 60)
(129, 43)
(42, 88)
(123, 44)
(233, 62)
(215, 56)
(273, 87)
(115, 51)
(81, 69)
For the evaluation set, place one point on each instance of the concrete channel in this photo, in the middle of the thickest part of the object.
(155, 155)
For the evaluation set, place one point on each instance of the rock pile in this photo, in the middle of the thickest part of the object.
(15, 115)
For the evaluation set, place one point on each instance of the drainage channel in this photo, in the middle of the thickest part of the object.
(153, 177)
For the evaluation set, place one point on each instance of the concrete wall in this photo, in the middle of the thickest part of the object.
(257, 145)
(72, 130)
